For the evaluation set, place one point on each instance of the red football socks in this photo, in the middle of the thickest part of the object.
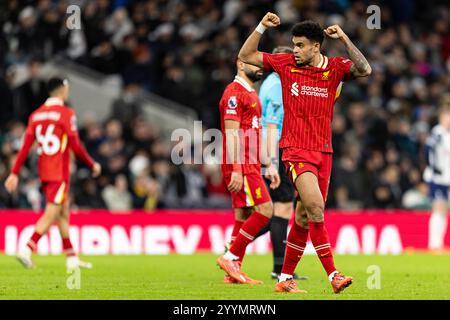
(237, 226)
(32, 243)
(295, 246)
(247, 233)
(321, 242)
(67, 247)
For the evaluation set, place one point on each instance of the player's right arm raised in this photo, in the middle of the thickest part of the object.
(249, 52)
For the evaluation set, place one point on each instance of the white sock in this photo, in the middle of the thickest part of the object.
(436, 230)
(229, 256)
(284, 277)
(331, 275)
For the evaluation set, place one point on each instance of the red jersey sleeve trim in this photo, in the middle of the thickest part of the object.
(232, 117)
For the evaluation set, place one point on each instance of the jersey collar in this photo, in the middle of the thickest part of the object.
(243, 83)
(323, 63)
(53, 101)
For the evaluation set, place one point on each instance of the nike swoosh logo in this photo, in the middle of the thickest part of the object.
(296, 70)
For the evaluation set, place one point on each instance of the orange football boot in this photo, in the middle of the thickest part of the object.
(249, 280)
(340, 282)
(229, 280)
(232, 268)
(289, 286)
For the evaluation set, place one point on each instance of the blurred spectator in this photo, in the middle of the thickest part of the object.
(88, 196)
(117, 197)
(185, 51)
(126, 108)
(146, 193)
(417, 197)
(32, 93)
(347, 180)
(7, 102)
(387, 193)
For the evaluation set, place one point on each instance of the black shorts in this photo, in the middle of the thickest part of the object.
(286, 191)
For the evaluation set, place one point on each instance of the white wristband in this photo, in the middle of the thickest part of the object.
(260, 28)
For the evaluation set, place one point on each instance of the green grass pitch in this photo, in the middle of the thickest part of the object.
(408, 276)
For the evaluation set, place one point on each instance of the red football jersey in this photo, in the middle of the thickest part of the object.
(309, 94)
(53, 126)
(240, 102)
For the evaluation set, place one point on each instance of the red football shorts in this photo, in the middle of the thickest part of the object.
(56, 192)
(298, 161)
(253, 192)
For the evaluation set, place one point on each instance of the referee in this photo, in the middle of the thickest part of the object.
(271, 99)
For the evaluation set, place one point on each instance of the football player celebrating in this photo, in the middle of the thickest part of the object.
(310, 83)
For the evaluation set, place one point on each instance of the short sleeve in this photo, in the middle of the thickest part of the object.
(344, 65)
(233, 107)
(275, 62)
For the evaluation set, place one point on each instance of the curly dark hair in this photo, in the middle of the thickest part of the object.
(311, 30)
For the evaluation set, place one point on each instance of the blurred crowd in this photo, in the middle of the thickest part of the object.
(137, 171)
(185, 50)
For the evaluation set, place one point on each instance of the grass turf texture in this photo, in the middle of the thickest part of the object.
(409, 276)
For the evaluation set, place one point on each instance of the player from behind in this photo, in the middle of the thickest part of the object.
(437, 175)
(240, 112)
(310, 82)
(53, 126)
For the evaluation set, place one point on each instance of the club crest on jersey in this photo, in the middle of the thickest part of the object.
(326, 75)
(232, 102)
(258, 193)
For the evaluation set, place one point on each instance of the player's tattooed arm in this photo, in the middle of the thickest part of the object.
(360, 67)
(249, 51)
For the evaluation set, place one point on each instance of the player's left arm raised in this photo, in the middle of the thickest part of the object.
(360, 67)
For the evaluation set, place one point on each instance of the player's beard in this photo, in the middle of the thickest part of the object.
(304, 62)
(254, 76)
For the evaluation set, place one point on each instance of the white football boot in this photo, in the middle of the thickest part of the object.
(24, 257)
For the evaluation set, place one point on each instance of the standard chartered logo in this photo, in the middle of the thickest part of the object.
(314, 91)
(294, 89)
(309, 91)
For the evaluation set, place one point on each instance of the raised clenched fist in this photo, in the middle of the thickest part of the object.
(270, 20)
(334, 32)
